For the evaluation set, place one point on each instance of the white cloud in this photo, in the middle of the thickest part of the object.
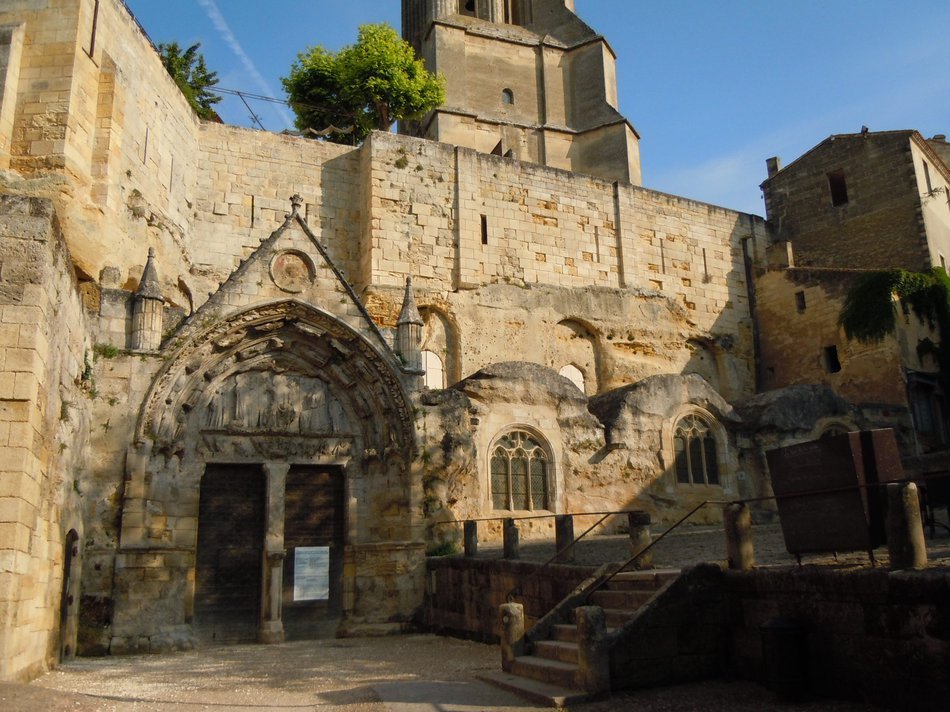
(221, 25)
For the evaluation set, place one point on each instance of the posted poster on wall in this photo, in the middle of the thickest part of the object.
(311, 573)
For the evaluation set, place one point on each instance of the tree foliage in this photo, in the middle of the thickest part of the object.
(364, 86)
(187, 68)
(869, 313)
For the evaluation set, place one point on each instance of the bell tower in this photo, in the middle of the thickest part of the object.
(526, 79)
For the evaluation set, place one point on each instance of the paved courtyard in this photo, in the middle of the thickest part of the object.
(418, 673)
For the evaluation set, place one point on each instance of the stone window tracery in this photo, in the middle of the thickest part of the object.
(696, 458)
(519, 472)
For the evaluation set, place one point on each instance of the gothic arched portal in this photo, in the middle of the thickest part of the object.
(286, 392)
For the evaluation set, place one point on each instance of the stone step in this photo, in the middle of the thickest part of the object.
(648, 580)
(552, 672)
(616, 617)
(556, 650)
(620, 599)
(538, 692)
(565, 632)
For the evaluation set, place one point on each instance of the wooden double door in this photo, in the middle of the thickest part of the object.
(229, 570)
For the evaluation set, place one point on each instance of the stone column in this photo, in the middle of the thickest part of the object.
(737, 520)
(564, 537)
(640, 537)
(905, 530)
(511, 633)
(593, 657)
(510, 539)
(272, 626)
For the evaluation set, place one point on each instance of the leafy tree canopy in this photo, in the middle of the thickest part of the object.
(191, 75)
(364, 86)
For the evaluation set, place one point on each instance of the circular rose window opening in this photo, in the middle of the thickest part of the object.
(292, 271)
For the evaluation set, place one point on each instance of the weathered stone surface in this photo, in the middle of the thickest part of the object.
(794, 409)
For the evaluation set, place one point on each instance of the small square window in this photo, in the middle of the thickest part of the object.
(800, 301)
(832, 362)
(839, 188)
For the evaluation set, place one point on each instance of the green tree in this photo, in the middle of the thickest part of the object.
(364, 86)
(191, 75)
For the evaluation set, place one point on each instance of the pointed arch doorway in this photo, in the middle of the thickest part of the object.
(314, 422)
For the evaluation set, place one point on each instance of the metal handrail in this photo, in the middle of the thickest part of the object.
(517, 589)
(603, 582)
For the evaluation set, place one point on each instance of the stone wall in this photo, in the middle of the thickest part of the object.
(45, 384)
(463, 595)
(798, 311)
(879, 226)
(870, 635)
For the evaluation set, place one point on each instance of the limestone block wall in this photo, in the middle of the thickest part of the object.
(462, 596)
(868, 634)
(246, 179)
(121, 381)
(798, 311)
(879, 226)
(45, 382)
(93, 101)
(477, 219)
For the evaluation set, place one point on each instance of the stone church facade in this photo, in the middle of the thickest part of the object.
(226, 413)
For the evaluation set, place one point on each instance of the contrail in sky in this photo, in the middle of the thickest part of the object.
(221, 25)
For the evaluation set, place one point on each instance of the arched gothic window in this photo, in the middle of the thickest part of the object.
(573, 374)
(434, 368)
(519, 472)
(694, 443)
(507, 97)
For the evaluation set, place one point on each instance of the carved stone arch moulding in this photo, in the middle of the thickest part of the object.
(298, 347)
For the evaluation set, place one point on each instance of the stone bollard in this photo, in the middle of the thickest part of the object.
(564, 537)
(639, 524)
(737, 520)
(510, 536)
(470, 535)
(593, 656)
(511, 633)
(905, 530)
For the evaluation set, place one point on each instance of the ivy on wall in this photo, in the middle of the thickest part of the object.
(868, 314)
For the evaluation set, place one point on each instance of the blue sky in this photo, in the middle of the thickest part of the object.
(713, 87)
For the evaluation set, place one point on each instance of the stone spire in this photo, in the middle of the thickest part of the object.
(409, 335)
(147, 308)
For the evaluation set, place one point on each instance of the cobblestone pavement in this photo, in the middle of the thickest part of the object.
(419, 673)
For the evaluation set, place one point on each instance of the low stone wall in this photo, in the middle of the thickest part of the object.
(463, 595)
(677, 637)
(869, 634)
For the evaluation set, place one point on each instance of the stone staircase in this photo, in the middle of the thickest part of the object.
(549, 671)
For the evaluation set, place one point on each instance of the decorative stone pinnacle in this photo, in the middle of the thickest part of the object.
(410, 312)
(149, 288)
(296, 201)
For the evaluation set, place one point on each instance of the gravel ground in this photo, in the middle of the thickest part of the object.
(419, 673)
